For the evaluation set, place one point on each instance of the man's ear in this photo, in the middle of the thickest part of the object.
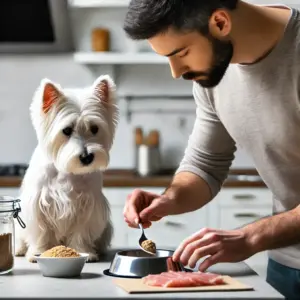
(220, 24)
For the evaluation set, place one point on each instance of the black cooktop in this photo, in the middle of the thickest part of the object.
(13, 169)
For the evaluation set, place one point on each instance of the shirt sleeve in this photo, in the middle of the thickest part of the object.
(210, 149)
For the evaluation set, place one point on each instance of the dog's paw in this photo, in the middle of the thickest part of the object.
(21, 251)
(31, 258)
(92, 257)
(30, 255)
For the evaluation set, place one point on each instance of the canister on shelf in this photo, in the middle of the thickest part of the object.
(147, 159)
(153, 142)
(100, 40)
(139, 141)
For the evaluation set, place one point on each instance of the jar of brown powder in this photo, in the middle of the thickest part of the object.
(9, 209)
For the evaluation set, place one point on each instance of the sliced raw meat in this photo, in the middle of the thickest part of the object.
(183, 279)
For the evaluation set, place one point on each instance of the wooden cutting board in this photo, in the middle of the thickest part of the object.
(136, 286)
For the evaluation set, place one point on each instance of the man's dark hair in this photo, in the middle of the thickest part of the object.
(147, 18)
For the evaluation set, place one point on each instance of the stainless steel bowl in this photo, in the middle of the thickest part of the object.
(137, 263)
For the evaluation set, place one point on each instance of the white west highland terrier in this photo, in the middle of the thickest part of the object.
(61, 194)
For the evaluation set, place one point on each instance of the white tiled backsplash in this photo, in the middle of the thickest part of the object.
(20, 75)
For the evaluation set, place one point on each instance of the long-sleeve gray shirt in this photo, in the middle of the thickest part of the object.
(257, 108)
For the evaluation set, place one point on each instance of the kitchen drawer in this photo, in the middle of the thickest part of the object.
(172, 230)
(231, 218)
(244, 197)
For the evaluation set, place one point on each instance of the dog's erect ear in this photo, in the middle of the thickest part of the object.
(103, 88)
(51, 95)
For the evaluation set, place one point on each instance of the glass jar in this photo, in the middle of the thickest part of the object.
(9, 209)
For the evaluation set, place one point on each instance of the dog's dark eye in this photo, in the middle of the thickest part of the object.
(94, 129)
(68, 131)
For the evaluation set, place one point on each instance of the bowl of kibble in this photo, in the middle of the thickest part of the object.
(61, 261)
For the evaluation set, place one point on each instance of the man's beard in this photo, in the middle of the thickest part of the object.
(222, 55)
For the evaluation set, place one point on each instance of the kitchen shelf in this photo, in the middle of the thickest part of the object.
(98, 3)
(118, 58)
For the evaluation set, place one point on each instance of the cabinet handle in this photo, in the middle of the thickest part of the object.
(247, 215)
(244, 197)
(174, 224)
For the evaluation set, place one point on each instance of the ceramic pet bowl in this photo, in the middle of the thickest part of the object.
(137, 263)
(61, 266)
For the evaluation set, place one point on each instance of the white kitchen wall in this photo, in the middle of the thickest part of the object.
(21, 74)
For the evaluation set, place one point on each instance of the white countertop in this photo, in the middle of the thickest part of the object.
(26, 281)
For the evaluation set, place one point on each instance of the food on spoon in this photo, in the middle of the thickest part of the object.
(149, 246)
(173, 279)
(60, 251)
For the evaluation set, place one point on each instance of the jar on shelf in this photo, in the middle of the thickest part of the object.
(9, 210)
(100, 40)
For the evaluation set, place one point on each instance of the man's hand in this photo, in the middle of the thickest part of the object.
(186, 193)
(146, 207)
(218, 245)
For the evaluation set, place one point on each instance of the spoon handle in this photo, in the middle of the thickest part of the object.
(142, 229)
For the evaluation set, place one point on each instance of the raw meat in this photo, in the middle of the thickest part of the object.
(183, 279)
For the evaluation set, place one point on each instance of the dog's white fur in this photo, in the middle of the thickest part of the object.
(61, 199)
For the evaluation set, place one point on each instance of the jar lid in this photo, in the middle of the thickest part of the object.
(10, 204)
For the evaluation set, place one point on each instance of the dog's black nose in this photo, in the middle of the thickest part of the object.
(86, 158)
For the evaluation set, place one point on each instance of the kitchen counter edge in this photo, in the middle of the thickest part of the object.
(128, 178)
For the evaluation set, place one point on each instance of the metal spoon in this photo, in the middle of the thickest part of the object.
(142, 239)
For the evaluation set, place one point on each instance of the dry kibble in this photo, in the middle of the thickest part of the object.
(60, 251)
(149, 246)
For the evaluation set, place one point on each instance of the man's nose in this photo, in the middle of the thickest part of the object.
(176, 70)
